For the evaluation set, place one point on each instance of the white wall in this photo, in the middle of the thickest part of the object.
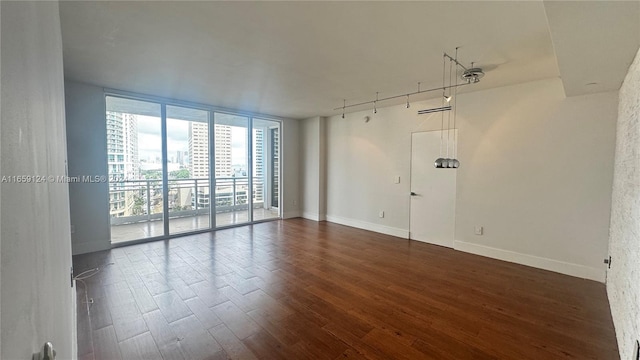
(290, 168)
(87, 152)
(312, 167)
(623, 279)
(536, 172)
(38, 302)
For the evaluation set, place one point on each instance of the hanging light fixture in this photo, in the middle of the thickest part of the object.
(449, 161)
(440, 161)
(408, 101)
(456, 163)
(452, 162)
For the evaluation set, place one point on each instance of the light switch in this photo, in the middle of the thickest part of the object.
(397, 180)
(479, 230)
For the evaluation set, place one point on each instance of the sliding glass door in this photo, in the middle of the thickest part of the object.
(188, 169)
(177, 169)
(266, 169)
(232, 171)
(134, 158)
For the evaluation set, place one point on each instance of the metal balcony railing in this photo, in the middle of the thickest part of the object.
(135, 201)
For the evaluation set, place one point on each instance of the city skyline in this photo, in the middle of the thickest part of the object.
(149, 135)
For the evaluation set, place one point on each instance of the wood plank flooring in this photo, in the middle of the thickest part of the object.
(297, 289)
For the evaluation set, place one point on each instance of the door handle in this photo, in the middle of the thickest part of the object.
(413, 194)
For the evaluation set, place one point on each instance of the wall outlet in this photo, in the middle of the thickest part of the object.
(479, 230)
(381, 214)
(295, 202)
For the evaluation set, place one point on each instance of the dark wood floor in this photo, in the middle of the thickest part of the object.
(298, 289)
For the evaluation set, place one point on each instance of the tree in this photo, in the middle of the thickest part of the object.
(180, 174)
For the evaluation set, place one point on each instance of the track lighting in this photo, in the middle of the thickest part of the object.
(470, 76)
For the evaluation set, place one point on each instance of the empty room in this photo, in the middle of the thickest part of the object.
(320, 180)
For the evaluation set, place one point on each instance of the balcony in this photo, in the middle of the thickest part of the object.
(142, 216)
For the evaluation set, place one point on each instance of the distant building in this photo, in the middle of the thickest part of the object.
(182, 157)
(258, 174)
(223, 151)
(198, 150)
(122, 160)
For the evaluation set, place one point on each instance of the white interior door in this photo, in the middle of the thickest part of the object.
(433, 191)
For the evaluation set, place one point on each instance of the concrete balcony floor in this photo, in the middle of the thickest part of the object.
(147, 229)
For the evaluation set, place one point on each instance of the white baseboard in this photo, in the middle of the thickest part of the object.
(311, 216)
(291, 214)
(388, 230)
(562, 267)
(314, 216)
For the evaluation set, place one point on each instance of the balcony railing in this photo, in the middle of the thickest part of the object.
(143, 199)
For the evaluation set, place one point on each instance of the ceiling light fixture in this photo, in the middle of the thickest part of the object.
(472, 75)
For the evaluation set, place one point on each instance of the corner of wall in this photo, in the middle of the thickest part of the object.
(623, 278)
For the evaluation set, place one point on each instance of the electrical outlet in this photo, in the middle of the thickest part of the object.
(381, 214)
(295, 202)
(479, 230)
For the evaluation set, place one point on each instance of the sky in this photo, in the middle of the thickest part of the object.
(150, 143)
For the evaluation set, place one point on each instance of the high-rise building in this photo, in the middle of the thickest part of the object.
(130, 139)
(223, 151)
(198, 158)
(198, 155)
(258, 173)
(122, 160)
(198, 150)
(181, 157)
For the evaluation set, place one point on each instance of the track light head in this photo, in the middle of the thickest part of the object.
(447, 98)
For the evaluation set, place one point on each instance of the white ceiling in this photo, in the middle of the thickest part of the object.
(300, 59)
